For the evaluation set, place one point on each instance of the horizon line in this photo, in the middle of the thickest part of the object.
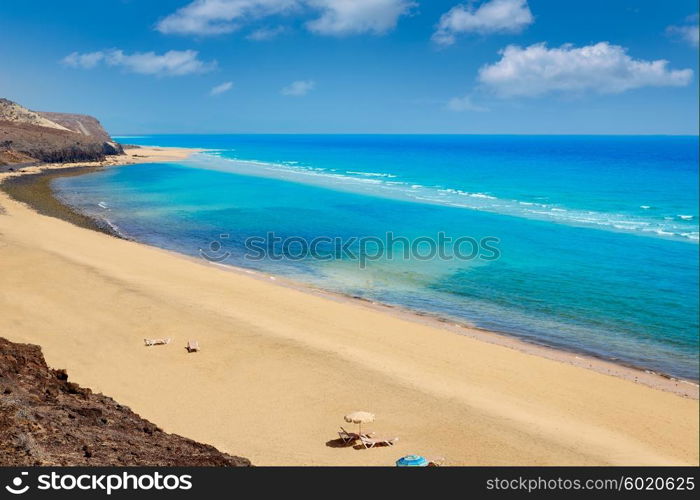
(650, 134)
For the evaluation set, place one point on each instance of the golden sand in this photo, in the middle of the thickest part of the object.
(279, 367)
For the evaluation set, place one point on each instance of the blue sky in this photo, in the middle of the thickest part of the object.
(357, 66)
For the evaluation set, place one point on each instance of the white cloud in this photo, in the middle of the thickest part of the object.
(490, 17)
(215, 17)
(337, 17)
(299, 88)
(689, 32)
(220, 89)
(265, 34)
(464, 103)
(346, 17)
(87, 61)
(171, 63)
(602, 68)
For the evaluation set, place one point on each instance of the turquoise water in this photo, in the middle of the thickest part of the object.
(596, 238)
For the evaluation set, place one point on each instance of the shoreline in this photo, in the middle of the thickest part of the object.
(31, 186)
(34, 190)
(653, 379)
(281, 363)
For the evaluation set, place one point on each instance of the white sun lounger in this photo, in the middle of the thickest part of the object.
(371, 442)
(150, 342)
(192, 346)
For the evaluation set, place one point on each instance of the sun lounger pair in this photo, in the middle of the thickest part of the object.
(150, 342)
(192, 345)
(368, 439)
(351, 437)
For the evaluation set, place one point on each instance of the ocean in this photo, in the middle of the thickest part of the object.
(587, 243)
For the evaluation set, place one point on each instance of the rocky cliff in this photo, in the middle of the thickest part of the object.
(28, 136)
(80, 124)
(47, 420)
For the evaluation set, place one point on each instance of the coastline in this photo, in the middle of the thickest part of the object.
(493, 395)
(35, 190)
(31, 184)
(32, 187)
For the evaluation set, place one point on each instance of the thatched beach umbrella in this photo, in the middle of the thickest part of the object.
(359, 417)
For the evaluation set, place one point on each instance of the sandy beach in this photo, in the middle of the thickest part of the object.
(279, 365)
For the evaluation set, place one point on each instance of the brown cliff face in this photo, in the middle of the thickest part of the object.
(46, 420)
(51, 137)
(80, 124)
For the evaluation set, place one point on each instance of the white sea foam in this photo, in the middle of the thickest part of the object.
(464, 193)
(385, 184)
(371, 174)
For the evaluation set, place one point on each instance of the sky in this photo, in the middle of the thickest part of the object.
(357, 66)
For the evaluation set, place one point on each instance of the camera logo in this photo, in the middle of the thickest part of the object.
(16, 488)
(216, 253)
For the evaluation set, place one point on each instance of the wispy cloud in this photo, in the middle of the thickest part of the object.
(171, 63)
(87, 60)
(688, 32)
(220, 89)
(493, 16)
(299, 88)
(215, 17)
(602, 68)
(265, 34)
(330, 17)
(464, 103)
(346, 17)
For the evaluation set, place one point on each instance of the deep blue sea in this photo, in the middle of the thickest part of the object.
(591, 241)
